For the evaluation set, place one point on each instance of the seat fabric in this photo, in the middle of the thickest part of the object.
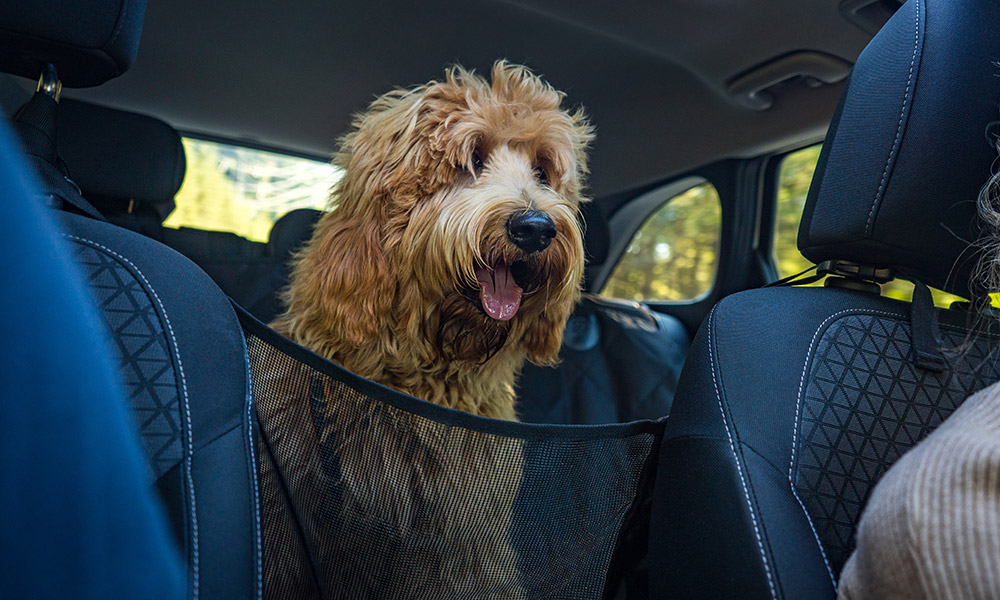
(181, 352)
(184, 365)
(619, 362)
(88, 42)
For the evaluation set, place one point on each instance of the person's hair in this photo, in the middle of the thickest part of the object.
(988, 204)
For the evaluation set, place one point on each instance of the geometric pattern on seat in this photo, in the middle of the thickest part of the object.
(141, 350)
(866, 403)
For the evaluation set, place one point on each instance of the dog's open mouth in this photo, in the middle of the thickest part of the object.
(499, 293)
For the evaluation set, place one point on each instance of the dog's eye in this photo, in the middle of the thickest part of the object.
(477, 163)
(542, 175)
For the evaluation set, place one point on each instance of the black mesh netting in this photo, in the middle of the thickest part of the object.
(369, 493)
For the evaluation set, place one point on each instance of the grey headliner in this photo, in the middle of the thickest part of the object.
(651, 74)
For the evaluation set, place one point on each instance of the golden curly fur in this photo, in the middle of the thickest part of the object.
(391, 284)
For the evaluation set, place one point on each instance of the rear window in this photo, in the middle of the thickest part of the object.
(244, 191)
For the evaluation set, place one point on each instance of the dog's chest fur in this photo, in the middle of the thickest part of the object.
(485, 389)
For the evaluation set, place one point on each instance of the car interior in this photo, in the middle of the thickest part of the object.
(849, 137)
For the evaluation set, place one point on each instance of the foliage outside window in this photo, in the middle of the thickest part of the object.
(673, 256)
(795, 175)
(242, 190)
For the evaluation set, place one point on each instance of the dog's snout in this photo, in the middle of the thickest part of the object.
(531, 230)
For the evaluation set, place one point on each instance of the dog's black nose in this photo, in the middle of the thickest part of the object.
(531, 230)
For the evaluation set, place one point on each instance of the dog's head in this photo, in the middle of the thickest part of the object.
(456, 223)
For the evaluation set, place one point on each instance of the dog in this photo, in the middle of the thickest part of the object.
(452, 254)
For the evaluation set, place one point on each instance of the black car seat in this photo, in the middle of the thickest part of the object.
(179, 346)
(128, 166)
(77, 515)
(794, 401)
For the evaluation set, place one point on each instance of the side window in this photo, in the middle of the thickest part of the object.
(244, 191)
(674, 255)
(794, 176)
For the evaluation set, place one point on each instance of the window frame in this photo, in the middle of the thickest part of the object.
(737, 182)
(630, 219)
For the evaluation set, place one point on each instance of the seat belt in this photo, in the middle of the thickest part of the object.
(35, 123)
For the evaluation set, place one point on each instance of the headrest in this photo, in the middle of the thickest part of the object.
(596, 241)
(88, 42)
(597, 234)
(117, 156)
(292, 230)
(908, 149)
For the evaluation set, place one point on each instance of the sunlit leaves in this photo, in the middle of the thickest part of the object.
(673, 255)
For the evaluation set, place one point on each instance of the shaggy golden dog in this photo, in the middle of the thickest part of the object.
(453, 253)
(454, 250)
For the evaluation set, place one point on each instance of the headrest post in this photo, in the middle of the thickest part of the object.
(48, 82)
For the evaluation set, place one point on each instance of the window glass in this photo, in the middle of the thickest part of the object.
(674, 254)
(242, 190)
(794, 177)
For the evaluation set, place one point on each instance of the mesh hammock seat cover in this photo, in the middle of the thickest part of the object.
(370, 493)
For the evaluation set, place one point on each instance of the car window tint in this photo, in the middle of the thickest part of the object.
(242, 190)
(794, 176)
(673, 256)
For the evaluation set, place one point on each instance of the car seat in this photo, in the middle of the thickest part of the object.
(180, 349)
(794, 401)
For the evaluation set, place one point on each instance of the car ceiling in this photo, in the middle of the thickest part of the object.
(652, 75)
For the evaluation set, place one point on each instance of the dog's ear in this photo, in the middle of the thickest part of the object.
(401, 149)
(543, 338)
(342, 287)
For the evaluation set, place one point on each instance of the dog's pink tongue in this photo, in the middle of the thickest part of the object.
(499, 293)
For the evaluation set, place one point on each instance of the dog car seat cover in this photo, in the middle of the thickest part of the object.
(370, 493)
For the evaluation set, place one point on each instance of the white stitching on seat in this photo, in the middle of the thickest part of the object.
(189, 439)
(732, 447)
(795, 426)
(258, 548)
(899, 126)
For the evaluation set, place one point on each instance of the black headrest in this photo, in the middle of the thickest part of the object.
(88, 42)
(908, 150)
(597, 234)
(117, 156)
(596, 240)
(292, 230)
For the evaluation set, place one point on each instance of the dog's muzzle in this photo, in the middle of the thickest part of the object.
(531, 230)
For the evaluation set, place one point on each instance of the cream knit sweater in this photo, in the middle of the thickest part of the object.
(932, 526)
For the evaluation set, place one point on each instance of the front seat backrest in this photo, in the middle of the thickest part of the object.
(794, 401)
(181, 351)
